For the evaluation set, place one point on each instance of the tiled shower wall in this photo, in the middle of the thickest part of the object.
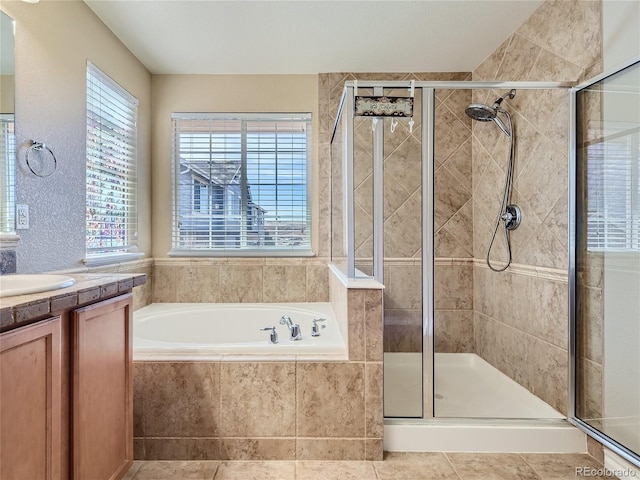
(402, 211)
(520, 316)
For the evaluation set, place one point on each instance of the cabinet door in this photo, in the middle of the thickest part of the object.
(30, 402)
(102, 390)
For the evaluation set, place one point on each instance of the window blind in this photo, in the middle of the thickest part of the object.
(111, 166)
(241, 183)
(613, 198)
(7, 172)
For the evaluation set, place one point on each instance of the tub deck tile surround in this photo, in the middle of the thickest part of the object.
(395, 466)
(301, 408)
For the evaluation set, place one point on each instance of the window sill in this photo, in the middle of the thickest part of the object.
(242, 253)
(111, 258)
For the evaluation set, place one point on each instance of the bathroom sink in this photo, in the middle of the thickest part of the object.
(22, 284)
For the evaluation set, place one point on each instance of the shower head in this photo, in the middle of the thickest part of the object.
(480, 112)
(485, 113)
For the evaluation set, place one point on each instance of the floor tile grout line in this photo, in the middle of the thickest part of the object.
(531, 466)
(455, 470)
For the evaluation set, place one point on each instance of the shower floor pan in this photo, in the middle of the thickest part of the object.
(468, 393)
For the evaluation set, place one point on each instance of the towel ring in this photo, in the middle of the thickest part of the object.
(40, 147)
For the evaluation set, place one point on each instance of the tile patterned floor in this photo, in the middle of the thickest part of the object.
(396, 466)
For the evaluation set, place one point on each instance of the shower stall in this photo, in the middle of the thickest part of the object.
(435, 202)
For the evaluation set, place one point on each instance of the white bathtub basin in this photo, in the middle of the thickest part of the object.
(197, 330)
(20, 284)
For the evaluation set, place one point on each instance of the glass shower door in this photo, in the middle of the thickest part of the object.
(607, 260)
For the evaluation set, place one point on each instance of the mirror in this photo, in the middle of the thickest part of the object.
(7, 124)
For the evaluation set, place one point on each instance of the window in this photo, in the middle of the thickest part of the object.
(613, 185)
(253, 168)
(7, 173)
(111, 167)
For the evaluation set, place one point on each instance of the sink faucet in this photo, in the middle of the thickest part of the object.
(294, 328)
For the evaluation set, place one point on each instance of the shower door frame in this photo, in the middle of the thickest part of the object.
(427, 89)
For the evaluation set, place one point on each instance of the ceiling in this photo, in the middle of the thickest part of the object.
(311, 36)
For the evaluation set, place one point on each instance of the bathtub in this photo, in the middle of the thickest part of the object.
(184, 331)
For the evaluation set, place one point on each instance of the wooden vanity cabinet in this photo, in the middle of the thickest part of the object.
(66, 395)
(30, 412)
(102, 390)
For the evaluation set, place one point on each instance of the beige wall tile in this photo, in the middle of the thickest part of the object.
(595, 450)
(404, 164)
(164, 285)
(518, 59)
(257, 399)
(402, 229)
(454, 331)
(553, 68)
(317, 283)
(181, 399)
(555, 25)
(330, 399)
(589, 392)
(330, 449)
(402, 338)
(284, 283)
(537, 365)
(488, 70)
(138, 398)
(197, 284)
(181, 449)
(374, 449)
(373, 318)
(356, 315)
(403, 287)
(257, 448)
(450, 196)
(450, 132)
(453, 287)
(374, 416)
(240, 283)
(138, 448)
(590, 312)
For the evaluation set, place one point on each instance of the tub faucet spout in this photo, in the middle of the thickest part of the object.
(294, 328)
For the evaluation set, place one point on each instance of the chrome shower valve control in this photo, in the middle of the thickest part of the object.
(511, 217)
(273, 338)
(294, 328)
(315, 328)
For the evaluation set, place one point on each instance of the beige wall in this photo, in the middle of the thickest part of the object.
(54, 41)
(521, 315)
(221, 93)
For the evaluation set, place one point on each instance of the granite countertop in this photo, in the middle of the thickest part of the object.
(89, 288)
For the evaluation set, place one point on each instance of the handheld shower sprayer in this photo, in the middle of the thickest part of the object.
(510, 215)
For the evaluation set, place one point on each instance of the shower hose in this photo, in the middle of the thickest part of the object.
(504, 216)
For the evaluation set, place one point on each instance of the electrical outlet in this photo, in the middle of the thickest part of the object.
(22, 217)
